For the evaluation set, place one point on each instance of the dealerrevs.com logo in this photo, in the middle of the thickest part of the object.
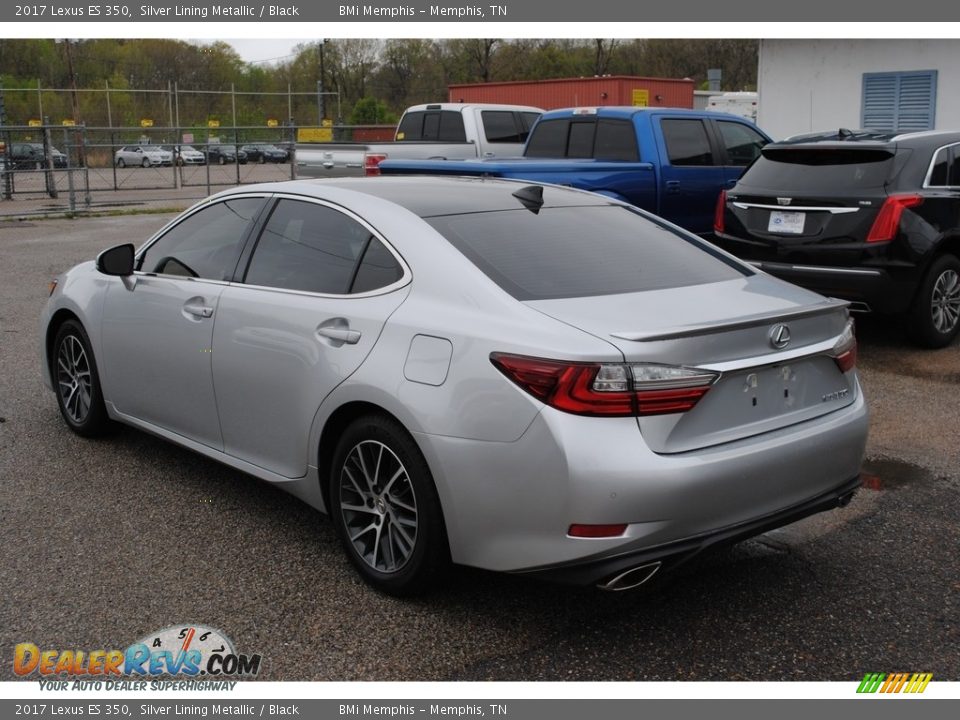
(179, 650)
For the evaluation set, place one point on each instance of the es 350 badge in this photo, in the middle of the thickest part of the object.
(191, 650)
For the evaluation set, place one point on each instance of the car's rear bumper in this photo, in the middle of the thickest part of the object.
(600, 570)
(509, 506)
(880, 288)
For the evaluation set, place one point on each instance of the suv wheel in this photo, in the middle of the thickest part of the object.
(935, 319)
(385, 509)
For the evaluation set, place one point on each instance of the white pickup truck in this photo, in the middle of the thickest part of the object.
(441, 131)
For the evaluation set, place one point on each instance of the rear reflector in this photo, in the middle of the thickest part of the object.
(718, 213)
(887, 222)
(371, 163)
(596, 531)
(607, 389)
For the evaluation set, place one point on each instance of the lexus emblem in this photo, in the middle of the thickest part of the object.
(784, 201)
(779, 336)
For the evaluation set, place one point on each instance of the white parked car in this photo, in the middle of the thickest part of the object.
(142, 155)
(187, 155)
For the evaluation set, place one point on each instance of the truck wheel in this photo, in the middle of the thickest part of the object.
(935, 317)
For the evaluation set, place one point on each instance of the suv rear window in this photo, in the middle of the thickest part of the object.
(820, 170)
(564, 252)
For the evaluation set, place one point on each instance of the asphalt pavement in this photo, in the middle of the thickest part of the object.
(105, 541)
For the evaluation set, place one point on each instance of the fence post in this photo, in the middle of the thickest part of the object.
(66, 145)
(48, 157)
(293, 151)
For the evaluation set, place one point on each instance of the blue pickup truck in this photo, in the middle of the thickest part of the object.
(671, 162)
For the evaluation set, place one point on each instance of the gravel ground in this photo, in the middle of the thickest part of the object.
(104, 541)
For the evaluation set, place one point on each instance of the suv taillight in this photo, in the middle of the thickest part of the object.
(607, 389)
(371, 163)
(718, 213)
(887, 222)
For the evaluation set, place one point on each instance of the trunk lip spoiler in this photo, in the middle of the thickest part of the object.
(684, 331)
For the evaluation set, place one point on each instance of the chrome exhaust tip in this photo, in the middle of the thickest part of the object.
(860, 307)
(629, 579)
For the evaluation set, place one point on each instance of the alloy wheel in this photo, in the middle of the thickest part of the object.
(378, 506)
(73, 379)
(945, 301)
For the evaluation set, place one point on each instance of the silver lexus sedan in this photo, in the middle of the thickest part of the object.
(516, 377)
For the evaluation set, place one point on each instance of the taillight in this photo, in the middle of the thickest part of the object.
(607, 389)
(887, 222)
(845, 350)
(597, 531)
(718, 213)
(371, 163)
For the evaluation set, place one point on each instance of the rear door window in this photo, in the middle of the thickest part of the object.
(741, 143)
(687, 142)
(945, 171)
(500, 126)
(565, 252)
(314, 248)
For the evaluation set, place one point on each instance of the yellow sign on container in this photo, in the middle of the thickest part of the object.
(34, 123)
(68, 122)
(315, 135)
(641, 98)
(272, 122)
(146, 122)
(213, 123)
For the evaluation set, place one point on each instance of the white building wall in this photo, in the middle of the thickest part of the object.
(815, 85)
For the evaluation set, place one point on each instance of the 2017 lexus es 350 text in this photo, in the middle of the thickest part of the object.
(516, 377)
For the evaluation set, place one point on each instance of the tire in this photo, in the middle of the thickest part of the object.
(263, 159)
(121, 163)
(223, 160)
(179, 162)
(380, 481)
(77, 382)
(935, 317)
(145, 163)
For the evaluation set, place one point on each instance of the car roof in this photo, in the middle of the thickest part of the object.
(628, 111)
(430, 196)
(842, 137)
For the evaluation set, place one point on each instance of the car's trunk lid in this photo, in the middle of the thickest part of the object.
(729, 327)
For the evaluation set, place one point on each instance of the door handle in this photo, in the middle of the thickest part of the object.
(340, 334)
(198, 310)
(673, 187)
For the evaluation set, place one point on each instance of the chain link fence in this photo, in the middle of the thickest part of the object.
(78, 165)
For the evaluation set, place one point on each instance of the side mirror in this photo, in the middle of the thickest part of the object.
(116, 261)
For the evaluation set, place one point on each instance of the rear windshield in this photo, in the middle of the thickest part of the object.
(581, 251)
(819, 169)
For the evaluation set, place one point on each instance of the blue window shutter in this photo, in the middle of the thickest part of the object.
(900, 101)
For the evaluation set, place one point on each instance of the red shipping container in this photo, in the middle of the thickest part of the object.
(580, 92)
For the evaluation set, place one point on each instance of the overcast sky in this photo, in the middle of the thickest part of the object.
(264, 51)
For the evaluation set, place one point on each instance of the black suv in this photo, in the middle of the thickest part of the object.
(870, 217)
(30, 156)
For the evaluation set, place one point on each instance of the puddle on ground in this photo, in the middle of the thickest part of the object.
(890, 474)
